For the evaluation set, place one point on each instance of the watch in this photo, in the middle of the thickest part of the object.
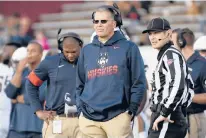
(130, 113)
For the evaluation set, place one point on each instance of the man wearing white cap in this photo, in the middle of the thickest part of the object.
(200, 45)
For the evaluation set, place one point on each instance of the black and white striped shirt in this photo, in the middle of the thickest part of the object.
(172, 85)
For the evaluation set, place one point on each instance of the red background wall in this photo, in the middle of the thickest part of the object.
(32, 9)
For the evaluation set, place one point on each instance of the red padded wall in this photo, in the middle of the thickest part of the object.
(32, 9)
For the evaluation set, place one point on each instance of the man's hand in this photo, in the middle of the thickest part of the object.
(20, 99)
(199, 98)
(21, 65)
(160, 119)
(46, 115)
(132, 116)
(16, 80)
(14, 101)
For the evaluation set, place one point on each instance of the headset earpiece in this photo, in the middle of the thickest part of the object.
(115, 10)
(180, 39)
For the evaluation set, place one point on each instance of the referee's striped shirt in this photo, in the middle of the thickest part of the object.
(172, 85)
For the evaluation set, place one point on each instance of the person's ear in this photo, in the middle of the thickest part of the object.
(169, 33)
(114, 24)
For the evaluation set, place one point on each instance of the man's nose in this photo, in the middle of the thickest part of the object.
(152, 36)
(99, 23)
(29, 54)
(70, 55)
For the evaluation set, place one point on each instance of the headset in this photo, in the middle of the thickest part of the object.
(115, 11)
(181, 42)
(60, 39)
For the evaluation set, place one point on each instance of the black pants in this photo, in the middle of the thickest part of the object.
(178, 129)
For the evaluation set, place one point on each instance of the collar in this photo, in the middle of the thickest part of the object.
(62, 57)
(115, 38)
(163, 49)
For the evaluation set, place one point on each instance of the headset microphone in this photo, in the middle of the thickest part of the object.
(115, 5)
(163, 38)
(58, 43)
(59, 31)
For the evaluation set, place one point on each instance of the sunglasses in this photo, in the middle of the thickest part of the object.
(102, 21)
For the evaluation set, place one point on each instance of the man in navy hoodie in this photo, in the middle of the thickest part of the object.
(60, 120)
(110, 80)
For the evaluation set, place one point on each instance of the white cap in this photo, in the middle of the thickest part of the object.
(200, 43)
(19, 54)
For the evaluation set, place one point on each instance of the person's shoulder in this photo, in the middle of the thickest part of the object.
(174, 51)
(201, 62)
(201, 59)
(6, 70)
(3, 66)
(51, 60)
(128, 43)
(131, 43)
(89, 45)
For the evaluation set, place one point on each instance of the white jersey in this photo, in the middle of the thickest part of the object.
(5, 103)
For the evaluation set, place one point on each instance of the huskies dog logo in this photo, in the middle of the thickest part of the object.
(103, 59)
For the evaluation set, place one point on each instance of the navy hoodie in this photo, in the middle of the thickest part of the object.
(110, 76)
(60, 75)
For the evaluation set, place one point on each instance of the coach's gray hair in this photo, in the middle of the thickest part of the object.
(101, 9)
